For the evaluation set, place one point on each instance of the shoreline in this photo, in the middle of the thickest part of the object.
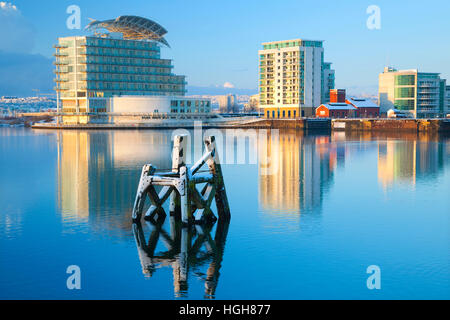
(404, 125)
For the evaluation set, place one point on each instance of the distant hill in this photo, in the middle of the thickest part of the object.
(22, 72)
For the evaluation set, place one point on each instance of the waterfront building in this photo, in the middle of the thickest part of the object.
(228, 103)
(253, 104)
(365, 108)
(342, 107)
(145, 108)
(447, 100)
(293, 78)
(337, 95)
(92, 70)
(419, 93)
(328, 82)
(336, 110)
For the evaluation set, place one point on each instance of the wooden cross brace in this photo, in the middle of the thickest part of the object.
(180, 185)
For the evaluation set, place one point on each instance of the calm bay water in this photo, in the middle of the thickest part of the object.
(308, 228)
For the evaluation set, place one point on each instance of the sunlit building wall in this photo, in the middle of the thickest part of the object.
(89, 69)
(293, 78)
(419, 93)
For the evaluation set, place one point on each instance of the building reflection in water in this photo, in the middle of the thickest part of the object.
(301, 168)
(410, 160)
(98, 172)
(188, 249)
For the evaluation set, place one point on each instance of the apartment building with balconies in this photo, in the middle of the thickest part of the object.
(293, 78)
(420, 93)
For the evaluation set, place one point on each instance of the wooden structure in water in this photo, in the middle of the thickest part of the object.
(188, 250)
(180, 186)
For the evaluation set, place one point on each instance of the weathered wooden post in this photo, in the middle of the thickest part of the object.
(178, 160)
(180, 185)
(215, 168)
(186, 211)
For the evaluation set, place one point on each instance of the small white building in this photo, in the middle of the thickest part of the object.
(141, 109)
(137, 109)
(159, 104)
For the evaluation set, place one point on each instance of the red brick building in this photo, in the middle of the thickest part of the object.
(341, 107)
(337, 95)
(336, 110)
(366, 108)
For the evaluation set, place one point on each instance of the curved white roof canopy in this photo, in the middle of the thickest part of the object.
(132, 27)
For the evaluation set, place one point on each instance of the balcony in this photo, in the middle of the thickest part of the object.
(59, 63)
(426, 104)
(60, 71)
(427, 98)
(58, 88)
(427, 85)
(60, 54)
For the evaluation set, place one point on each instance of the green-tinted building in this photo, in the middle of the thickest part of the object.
(420, 93)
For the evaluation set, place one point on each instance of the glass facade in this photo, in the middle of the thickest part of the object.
(405, 92)
(190, 106)
(407, 104)
(421, 93)
(90, 67)
(405, 80)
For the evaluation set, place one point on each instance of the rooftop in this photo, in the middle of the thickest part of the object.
(292, 43)
(362, 103)
(393, 70)
(132, 27)
(338, 106)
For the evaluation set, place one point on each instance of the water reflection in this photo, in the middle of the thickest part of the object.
(302, 169)
(98, 170)
(409, 161)
(187, 249)
(98, 173)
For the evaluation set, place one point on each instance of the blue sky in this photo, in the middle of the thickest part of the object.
(214, 42)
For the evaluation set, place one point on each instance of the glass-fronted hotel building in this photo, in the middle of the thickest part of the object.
(422, 94)
(91, 70)
(293, 78)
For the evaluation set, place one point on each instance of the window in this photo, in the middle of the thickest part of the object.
(284, 113)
